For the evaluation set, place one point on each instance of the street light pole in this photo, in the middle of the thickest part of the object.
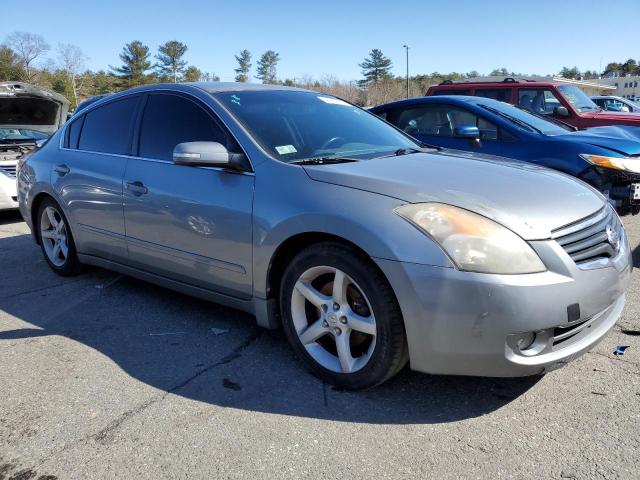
(407, 47)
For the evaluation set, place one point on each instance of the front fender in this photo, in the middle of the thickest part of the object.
(363, 218)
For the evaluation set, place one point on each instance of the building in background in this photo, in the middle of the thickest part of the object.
(626, 87)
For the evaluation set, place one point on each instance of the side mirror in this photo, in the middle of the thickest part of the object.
(202, 154)
(561, 111)
(467, 131)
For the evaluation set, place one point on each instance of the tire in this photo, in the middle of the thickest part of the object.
(55, 237)
(360, 316)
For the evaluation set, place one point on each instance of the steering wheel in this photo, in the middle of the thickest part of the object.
(328, 143)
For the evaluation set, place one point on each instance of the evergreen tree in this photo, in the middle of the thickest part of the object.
(192, 74)
(170, 59)
(10, 68)
(267, 67)
(244, 66)
(375, 67)
(135, 64)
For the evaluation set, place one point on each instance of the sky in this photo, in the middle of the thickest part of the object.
(321, 38)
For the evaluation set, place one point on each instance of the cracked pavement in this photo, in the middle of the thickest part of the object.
(104, 376)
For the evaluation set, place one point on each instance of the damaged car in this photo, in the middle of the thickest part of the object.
(29, 115)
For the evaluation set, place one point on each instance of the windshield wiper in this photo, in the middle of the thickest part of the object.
(324, 161)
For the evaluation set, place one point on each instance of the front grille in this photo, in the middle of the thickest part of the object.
(591, 238)
(9, 170)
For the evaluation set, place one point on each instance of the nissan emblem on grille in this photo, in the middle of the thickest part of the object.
(613, 238)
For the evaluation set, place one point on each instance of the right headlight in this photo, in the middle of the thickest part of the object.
(473, 242)
(615, 163)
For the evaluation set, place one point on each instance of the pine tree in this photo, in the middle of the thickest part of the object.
(267, 67)
(375, 67)
(136, 64)
(170, 59)
(244, 66)
(192, 74)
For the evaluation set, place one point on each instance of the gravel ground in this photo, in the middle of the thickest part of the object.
(104, 376)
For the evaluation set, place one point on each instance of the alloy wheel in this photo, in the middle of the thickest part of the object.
(333, 319)
(53, 233)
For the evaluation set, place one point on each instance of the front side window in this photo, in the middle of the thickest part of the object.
(107, 129)
(538, 100)
(500, 94)
(169, 120)
(293, 125)
(442, 120)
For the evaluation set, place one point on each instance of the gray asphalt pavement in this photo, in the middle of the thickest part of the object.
(104, 376)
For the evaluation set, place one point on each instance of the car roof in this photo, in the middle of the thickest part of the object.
(455, 99)
(216, 87)
(496, 84)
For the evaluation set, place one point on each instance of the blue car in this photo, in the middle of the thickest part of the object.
(608, 158)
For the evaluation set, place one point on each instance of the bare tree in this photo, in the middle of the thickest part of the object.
(72, 61)
(28, 47)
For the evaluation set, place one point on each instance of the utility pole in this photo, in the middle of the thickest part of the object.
(407, 47)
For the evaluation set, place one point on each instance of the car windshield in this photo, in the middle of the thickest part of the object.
(576, 97)
(295, 125)
(12, 134)
(526, 120)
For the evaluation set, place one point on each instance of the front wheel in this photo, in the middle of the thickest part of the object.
(341, 317)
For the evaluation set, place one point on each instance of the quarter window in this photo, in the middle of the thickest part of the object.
(74, 133)
(169, 120)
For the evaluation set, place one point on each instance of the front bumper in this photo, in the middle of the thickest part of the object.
(8, 195)
(463, 323)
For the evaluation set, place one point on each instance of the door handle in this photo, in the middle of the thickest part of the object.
(62, 170)
(137, 188)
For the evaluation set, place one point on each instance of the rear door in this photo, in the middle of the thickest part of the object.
(192, 224)
(88, 176)
(435, 124)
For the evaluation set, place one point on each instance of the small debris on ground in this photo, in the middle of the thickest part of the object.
(620, 350)
(602, 394)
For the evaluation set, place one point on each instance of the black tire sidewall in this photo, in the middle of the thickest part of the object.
(390, 336)
(71, 265)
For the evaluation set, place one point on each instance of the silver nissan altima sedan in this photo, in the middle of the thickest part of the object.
(371, 250)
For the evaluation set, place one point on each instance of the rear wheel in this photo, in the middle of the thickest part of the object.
(56, 240)
(341, 317)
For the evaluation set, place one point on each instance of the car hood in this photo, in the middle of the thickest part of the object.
(25, 106)
(613, 116)
(619, 138)
(530, 200)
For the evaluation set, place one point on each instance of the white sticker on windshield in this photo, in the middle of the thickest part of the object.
(285, 149)
(334, 101)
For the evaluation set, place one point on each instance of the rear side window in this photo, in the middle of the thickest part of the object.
(453, 91)
(74, 132)
(538, 100)
(500, 94)
(169, 120)
(108, 128)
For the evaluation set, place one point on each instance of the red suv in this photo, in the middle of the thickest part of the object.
(562, 101)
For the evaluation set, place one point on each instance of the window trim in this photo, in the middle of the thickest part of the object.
(135, 147)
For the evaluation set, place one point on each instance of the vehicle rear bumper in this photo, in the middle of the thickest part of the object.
(464, 323)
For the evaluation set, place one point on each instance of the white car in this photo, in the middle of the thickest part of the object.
(28, 116)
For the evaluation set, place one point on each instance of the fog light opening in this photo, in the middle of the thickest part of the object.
(526, 341)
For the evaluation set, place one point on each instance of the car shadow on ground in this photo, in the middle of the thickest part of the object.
(212, 354)
(9, 217)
